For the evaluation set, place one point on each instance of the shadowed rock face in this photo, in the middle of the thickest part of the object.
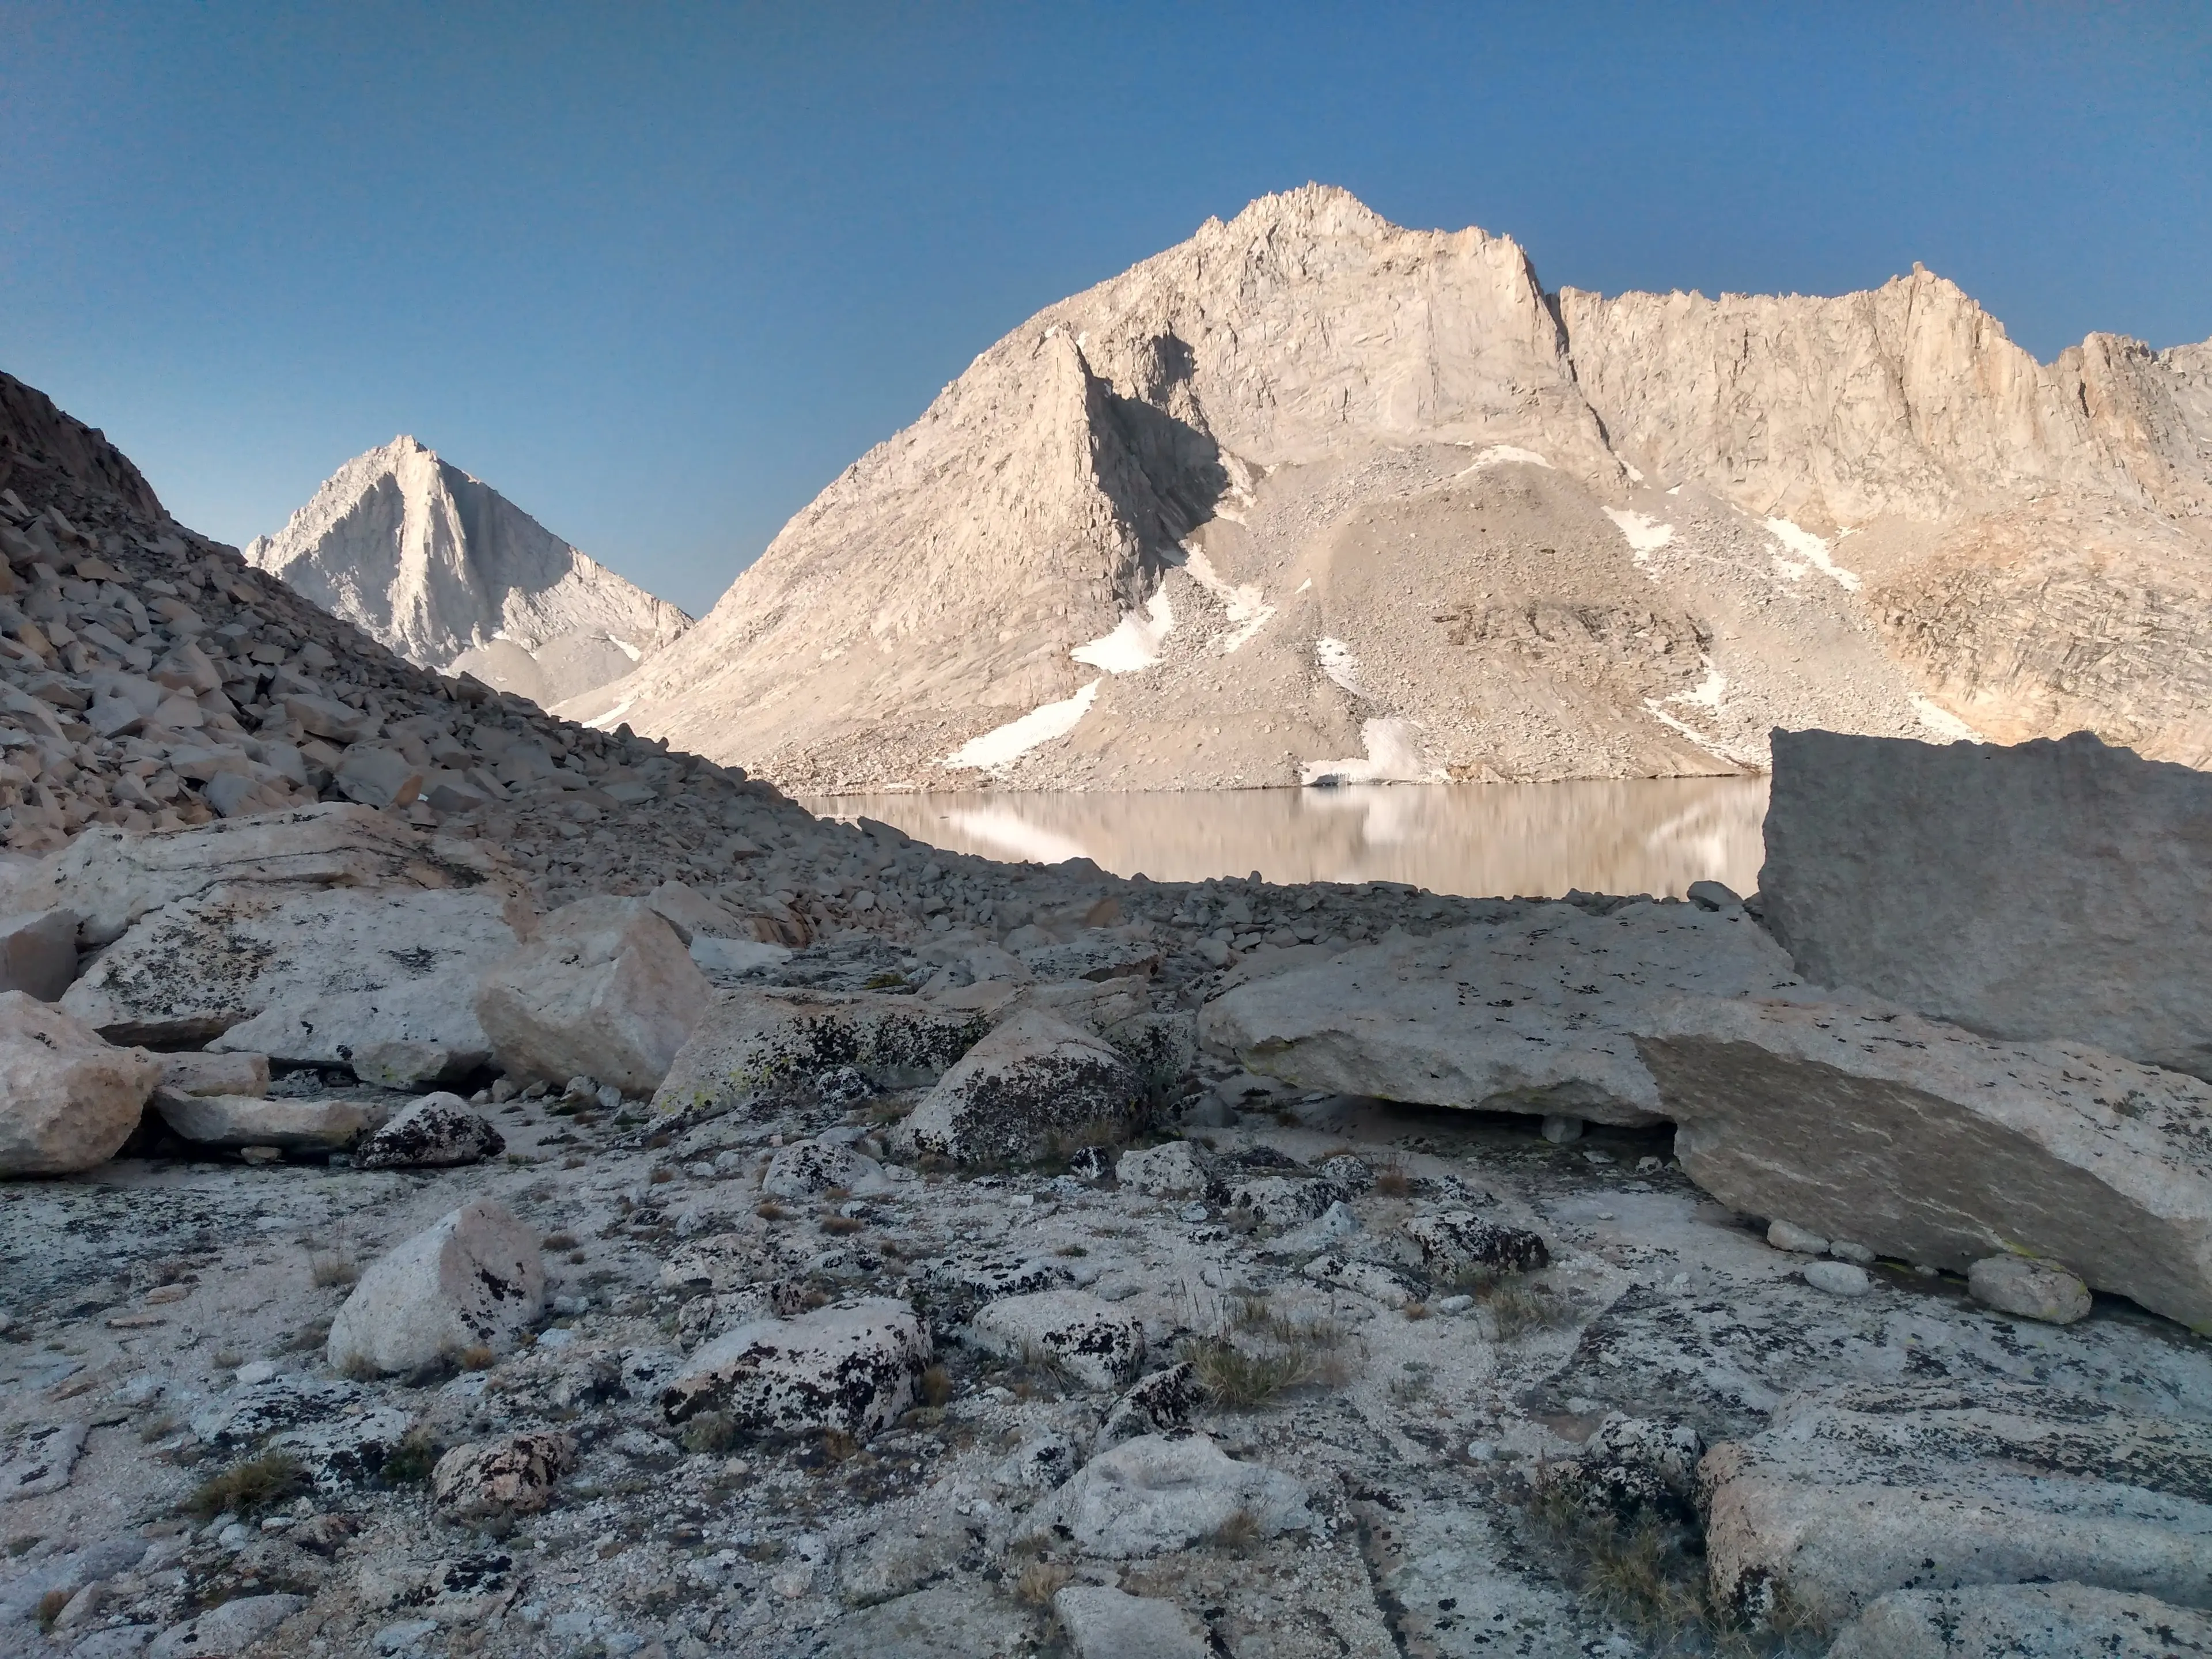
(40, 447)
(1313, 493)
(451, 574)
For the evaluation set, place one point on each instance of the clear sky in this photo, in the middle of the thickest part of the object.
(658, 273)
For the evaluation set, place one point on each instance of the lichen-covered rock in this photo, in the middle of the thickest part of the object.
(472, 1278)
(604, 988)
(1170, 1169)
(1632, 1467)
(435, 1131)
(1160, 1492)
(1100, 1346)
(753, 1048)
(513, 1476)
(807, 1166)
(1033, 1078)
(68, 1099)
(850, 1368)
(2024, 1621)
(1104, 1623)
(1279, 1201)
(1460, 1238)
(1157, 1404)
(1857, 1490)
(306, 977)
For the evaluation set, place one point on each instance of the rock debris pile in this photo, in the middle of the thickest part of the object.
(480, 1185)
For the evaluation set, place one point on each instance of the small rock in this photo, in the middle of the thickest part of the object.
(1838, 1278)
(215, 1074)
(807, 1166)
(472, 1278)
(1158, 1404)
(1460, 1239)
(2029, 1290)
(1845, 1250)
(1155, 1493)
(1097, 1346)
(513, 1476)
(378, 777)
(229, 1629)
(1562, 1131)
(1168, 1171)
(436, 1131)
(1784, 1235)
(850, 1368)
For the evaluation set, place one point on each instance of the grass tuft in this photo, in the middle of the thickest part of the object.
(247, 1488)
(328, 1268)
(1040, 1581)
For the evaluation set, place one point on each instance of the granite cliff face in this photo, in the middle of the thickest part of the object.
(445, 571)
(1311, 495)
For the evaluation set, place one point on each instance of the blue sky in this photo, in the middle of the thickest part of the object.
(658, 273)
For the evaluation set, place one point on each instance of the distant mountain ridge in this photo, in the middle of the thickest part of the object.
(441, 568)
(1313, 496)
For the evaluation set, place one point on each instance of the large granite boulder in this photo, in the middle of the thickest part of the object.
(603, 989)
(2054, 890)
(2024, 1621)
(69, 1099)
(1928, 1144)
(1531, 1014)
(851, 1368)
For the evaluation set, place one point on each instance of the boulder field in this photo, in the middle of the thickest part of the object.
(583, 1204)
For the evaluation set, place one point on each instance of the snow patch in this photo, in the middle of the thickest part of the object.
(1004, 829)
(1498, 454)
(1942, 722)
(606, 722)
(1005, 745)
(1337, 661)
(1646, 535)
(1248, 612)
(1394, 755)
(1634, 477)
(625, 647)
(1813, 550)
(1134, 644)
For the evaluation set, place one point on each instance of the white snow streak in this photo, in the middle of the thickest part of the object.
(1247, 613)
(606, 722)
(1498, 453)
(626, 647)
(1134, 644)
(1646, 535)
(1002, 745)
(1813, 550)
(1337, 661)
(1942, 722)
(1394, 755)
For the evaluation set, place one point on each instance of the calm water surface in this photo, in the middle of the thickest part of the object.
(1646, 836)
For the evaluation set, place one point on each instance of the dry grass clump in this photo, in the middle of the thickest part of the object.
(245, 1488)
(412, 1460)
(1392, 1181)
(841, 1225)
(1040, 1581)
(327, 1268)
(1237, 1535)
(477, 1358)
(771, 1211)
(1517, 1304)
(936, 1385)
(560, 1241)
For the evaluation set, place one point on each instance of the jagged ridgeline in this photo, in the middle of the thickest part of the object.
(1313, 494)
(442, 569)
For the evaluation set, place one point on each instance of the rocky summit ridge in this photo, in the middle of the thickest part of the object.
(441, 568)
(1311, 495)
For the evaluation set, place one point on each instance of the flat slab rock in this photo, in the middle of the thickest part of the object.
(1533, 1014)
(1854, 1492)
(2024, 1621)
(2047, 890)
(1933, 1146)
(308, 978)
(752, 1046)
(1097, 1343)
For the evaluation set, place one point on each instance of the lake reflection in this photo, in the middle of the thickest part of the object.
(1538, 839)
